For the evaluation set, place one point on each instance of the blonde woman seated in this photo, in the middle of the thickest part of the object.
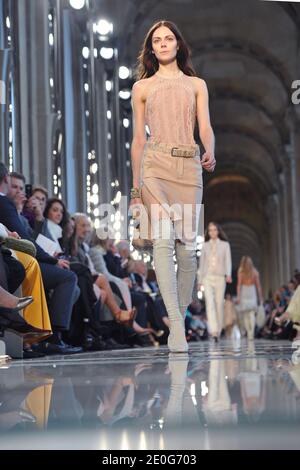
(99, 246)
(80, 250)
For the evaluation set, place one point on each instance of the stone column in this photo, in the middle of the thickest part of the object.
(284, 226)
(293, 156)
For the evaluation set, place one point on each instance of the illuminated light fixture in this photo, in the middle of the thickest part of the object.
(124, 94)
(108, 114)
(103, 38)
(127, 145)
(77, 4)
(51, 81)
(95, 53)
(118, 197)
(85, 52)
(86, 87)
(51, 39)
(94, 168)
(49, 17)
(95, 199)
(7, 22)
(104, 27)
(95, 189)
(126, 122)
(128, 163)
(107, 52)
(87, 113)
(124, 72)
(108, 85)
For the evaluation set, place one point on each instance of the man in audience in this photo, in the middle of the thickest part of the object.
(56, 275)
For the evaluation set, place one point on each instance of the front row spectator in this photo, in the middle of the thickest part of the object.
(56, 275)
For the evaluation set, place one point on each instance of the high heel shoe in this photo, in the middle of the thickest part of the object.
(23, 302)
(10, 320)
(129, 314)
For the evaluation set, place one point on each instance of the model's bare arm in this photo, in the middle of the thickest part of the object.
(205, 129)
(139, 134)
(238, 287)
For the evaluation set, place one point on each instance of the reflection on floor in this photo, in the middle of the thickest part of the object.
(228, 396)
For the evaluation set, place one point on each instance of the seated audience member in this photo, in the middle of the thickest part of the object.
(34, 207)
(156, 312)
(126, 317)
(62, 282)
(54, 222)
(98, 241)
(32, 286)
(80, 251)
(11, 305)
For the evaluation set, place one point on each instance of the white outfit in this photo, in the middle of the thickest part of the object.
(55, 231)
(248, 307)
(215, 264)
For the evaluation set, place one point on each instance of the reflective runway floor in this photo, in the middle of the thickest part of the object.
(229, 396)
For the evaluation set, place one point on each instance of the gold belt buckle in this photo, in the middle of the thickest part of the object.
(176, 152)
(172, 150)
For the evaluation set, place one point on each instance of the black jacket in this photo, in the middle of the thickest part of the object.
(11, 219)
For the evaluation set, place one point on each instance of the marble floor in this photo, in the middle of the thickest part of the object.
(228, 396)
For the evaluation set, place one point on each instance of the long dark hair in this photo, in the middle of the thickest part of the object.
(65, 216)
(221, 233)
(148, 63)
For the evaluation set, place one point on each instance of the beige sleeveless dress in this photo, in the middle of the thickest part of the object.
(168, 181)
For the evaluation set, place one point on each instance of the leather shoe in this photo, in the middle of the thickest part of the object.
(58, 348)
(11, 320)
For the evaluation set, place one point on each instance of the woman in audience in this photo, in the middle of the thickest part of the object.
(80, 252)
(55, 219)
(99, 246)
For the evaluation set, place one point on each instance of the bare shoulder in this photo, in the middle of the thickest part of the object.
(140, 87)
(199, 84)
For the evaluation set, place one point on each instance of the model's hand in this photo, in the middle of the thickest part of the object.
(128, 281)
(229, 279)
(134, 205)
(208, 161)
